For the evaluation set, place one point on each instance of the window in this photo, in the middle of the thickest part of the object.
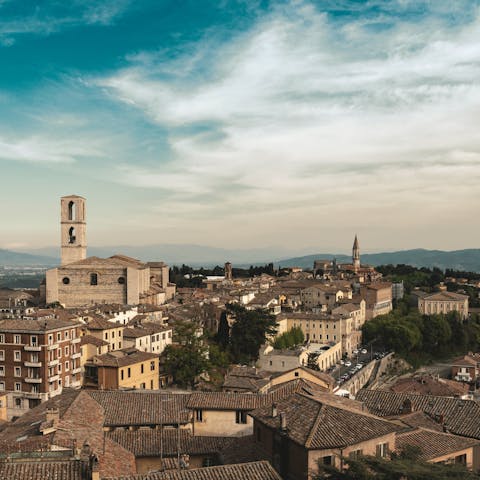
(67, 366)
(59, 336)
(18, 388)
(128, 372)
(356, 454)
(59, 368)
(17, 356)
(119, 345)
(93, 279)
(328, 460)
(18, 401)
(113, 333)
(240, 416)
(18, 372)
(142, 385)
(121, 374)
(2, 386)
(17, 339)
(65, 280)
(2, 354)
(67, 351)
(199, 415)
(121, 280)
(71, 235)
(50, 339)
(141, 368)
(59, 353)
(152, 366)
(106, 335)
(382, 450)
(66, 334)
(2, 370)
(462, 459)
(2, 338)
(34, 340)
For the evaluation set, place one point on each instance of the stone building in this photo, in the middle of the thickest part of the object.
(82, 280)
(443, 302)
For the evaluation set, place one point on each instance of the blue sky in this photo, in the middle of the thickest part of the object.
(242, 123)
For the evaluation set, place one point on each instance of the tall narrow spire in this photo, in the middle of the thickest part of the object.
(356, 255)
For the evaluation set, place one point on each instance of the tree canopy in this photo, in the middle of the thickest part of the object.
(249, 332)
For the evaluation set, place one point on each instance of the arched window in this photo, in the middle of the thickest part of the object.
(93, 279)
(72, 211)
(71, 235)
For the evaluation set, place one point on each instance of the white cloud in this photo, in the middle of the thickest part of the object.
(45, 150)
(300, 114)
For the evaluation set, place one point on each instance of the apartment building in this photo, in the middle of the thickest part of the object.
(37, 359)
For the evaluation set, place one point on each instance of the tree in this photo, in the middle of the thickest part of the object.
(187, 358)
(249, 332)
(398, 468)
(289, 339)
(223, 333)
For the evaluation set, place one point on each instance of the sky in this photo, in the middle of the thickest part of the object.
(242, 123)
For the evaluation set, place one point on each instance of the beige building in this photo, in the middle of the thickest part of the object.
(323, 295)
(378, 298)
(123, 369)
(273, 360)
(110, 332)
(443, 303)
(81, 281)
(324, 328)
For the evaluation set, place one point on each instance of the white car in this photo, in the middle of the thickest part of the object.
(348, 363)
(363, 350)
(355, 352)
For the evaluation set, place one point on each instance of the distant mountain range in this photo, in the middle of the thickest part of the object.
(198, 255)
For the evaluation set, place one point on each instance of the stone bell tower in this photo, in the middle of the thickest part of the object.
(74, 229)
(356, 255)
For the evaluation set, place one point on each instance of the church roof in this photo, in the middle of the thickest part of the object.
(114, 261)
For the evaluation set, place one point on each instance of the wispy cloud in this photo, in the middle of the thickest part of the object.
(46, 150)
(53, 16)
(302, 107)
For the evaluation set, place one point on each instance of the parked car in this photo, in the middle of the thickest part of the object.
(348, 363)
(355, 352)
(363, 351)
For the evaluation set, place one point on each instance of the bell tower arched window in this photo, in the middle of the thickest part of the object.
(72, 214)
(71, 235)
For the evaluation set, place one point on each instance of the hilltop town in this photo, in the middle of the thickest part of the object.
(111, 370)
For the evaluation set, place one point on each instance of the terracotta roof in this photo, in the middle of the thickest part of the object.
(150, 442)
(24, 433)
(122, 358)
(433, 444)
(465, 361)
(248, 471)
(43, 469)
(427, 385)
(446, 296)
(99, 323)
(461, 417)
(91, 340)
(319, 423)
(142, 408)
(227, 401)
(43, 325)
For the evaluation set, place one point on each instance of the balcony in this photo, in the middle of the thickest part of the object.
(76, 370)
(35, 395)
(53, 362)
(53, 378)
(32, 348)
(33, 380)
(33, 364)
(76, 340)
(53, 346)
(75, 355)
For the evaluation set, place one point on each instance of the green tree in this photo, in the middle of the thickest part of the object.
(249, 331)
(289, 339)
(223, 332)
(398, 468)
(187, 358)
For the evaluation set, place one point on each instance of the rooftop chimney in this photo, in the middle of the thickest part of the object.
(283, 422)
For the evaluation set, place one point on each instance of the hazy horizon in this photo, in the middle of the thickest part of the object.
(280, 124)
